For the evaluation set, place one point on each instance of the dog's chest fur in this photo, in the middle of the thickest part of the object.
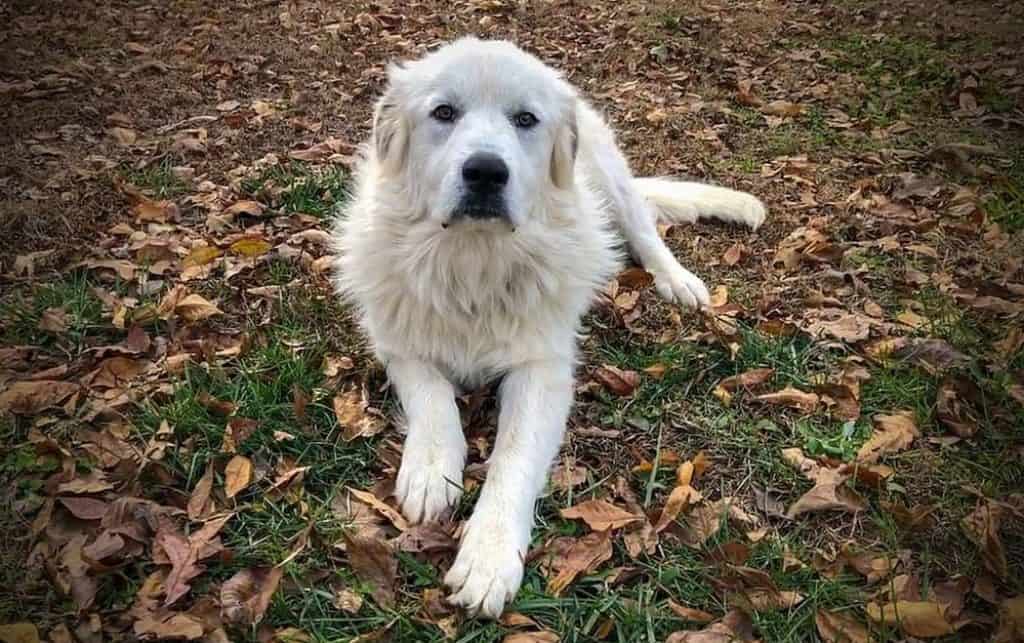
(473, 301)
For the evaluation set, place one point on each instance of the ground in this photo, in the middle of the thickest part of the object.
(196, 443)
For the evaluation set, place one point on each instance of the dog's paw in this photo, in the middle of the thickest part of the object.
(488, 568)
(677, 284)
(750, 211)
(429, 481)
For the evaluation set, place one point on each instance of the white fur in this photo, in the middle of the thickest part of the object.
(449, 303)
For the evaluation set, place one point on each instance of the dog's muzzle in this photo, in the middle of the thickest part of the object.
(484, 177)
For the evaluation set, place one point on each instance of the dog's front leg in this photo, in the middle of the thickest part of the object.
(488, 569)
(430, 477)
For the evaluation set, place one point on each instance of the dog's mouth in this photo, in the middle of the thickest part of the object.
(481, 208)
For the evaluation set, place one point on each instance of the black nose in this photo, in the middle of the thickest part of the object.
(484, 172)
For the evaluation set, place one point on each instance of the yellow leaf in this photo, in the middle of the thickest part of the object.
(250, 247)
(237, 475)
(200, 256)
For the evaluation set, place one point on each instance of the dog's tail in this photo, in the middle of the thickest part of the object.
(686, 202)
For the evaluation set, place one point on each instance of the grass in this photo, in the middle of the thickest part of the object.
(904, 74)
(22, 310)
(158, 179)
(299, 188)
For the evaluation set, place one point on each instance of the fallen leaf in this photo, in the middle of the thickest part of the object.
(382, 507)
(251, 208)
(1011, 621)
(237, 431)
(54, 320)
(147, 210)
(237, 475)
(568, 475)
(581, 556)
(333, 365)
(681, 497)
(734, 627)
(348, 601)
(30, 398)
(893, 433)
(982, 527)
(748, 380)
(600, 515)
(782, 108)
(706, 520)
(689, 613)
(836, 627)
(955, 405)
(830, 491)
(244, 597)
(251, 247)
(374, 563)
(195, 308)
(19, 633)
(616, 380)
(531, 637)
(351, 409)
(173, 625)
(791, 397)
(85, 508)
(734, 254)
(200, 256)
(923, 619)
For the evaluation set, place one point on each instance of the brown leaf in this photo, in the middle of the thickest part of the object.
(690, 614)
(382, 507)
(85, 508)
(19, 633)
(955, 405)
(923, 619)
(705, 520)
(334, 364)
(893, 433)
(54, 320)
(982, 527)
(734, 254)
(194, 307)
(543, 636)
(237, 431)
(348, 601)
(681, 497)
(836, 627)
(791, 397)
(830, 491)
(251, 208)
(618, 381)
(733, 628)
(568, 475)
(30, 398)
(934, 355)
(237, 475)
(223, 408)
(172, 625)
(156, 211)
(581, 556)
(635, 278)
(373, 562)
(1011, 621)
(426, 537)
(244, 597)
(185, 553)
(600, 515)
(782, 108)
(748, 380)
(351, 408)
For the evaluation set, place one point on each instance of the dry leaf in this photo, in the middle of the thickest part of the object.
(791, 397)
(531, 637)
(348, 601)
(581, 556)
(747, 380)
(350, 407)
(195, 308)
(237, 475)
(19, 633)
(600, 515)
(373, 562)
(893, 433)
(835, 627)
(618, 381)
(199, 503)
(734, 254)
(568, 475)
(244, 597)
(922, 619)
(30, 398)
(690, 614)
(982, 527)
(382, 507)
(250, 247)
(1011, 621)
(733, 628)
(681, 497)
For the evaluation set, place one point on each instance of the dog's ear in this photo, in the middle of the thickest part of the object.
(563, 156)
(390, 131)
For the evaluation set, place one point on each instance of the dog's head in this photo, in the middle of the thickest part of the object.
(477, 131)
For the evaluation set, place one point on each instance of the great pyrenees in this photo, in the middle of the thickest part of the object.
(483, 223)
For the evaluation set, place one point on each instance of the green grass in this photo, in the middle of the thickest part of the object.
(904, 74)
(157, 179)
(297, 187)
(22, 310)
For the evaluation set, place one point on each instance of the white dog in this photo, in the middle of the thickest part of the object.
(481, 227)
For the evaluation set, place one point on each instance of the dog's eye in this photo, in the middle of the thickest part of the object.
(524, 120)
(445, 113)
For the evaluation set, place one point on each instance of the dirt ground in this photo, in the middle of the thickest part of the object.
(196, 444)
